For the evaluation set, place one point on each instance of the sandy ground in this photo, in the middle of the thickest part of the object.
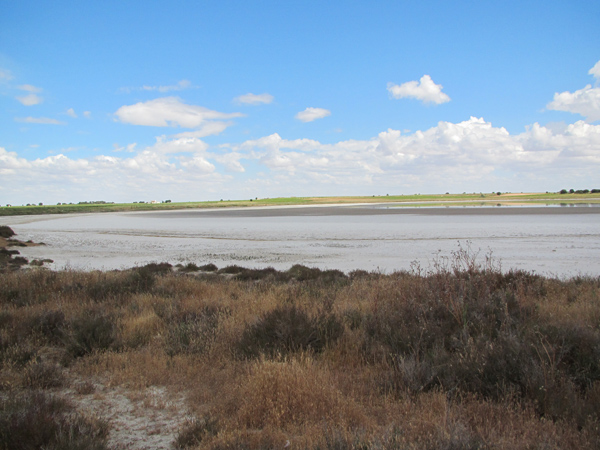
(138, 419)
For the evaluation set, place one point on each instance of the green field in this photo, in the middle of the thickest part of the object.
(410, 200)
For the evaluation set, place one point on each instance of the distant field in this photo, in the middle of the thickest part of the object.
(413, 200)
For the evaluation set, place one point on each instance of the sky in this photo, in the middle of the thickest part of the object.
(206, 100)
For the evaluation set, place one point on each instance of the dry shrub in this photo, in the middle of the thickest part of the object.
(31, 421)
(39, 374)
(285, 395)
(288, 329)
(139, 330)
(194, 431)
(6, 231)
(28, 288)
(94, 330)
(193, 332)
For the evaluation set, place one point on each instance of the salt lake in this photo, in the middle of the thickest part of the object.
(556, 241)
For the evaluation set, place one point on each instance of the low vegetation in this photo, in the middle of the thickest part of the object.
(492, 198)
(459, 355)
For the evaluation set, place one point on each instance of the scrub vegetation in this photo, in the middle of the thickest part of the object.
(458, 355)
(479, 198)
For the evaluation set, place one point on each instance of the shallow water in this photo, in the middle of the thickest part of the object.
(338, 238)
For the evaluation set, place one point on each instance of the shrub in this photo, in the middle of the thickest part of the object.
(191, 333)
(155, 268)
(120, 284)
(43, 375)
(194, 431)
(256, 274)
(92, 331)
(6, 231)
(31, 421)
(288, 329)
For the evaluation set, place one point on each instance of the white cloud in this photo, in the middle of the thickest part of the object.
(472, 155)
(40, 120)
(5, 75)
(130, 148)
(254, 99)
(585, 102)
(208, 129)
(183, 84)
(180, 86)
(32, 98)
(29, 88)
(71, 113)
(87, 114)
(595, 71)
(169, 111)
(310, 114)
(424, 89)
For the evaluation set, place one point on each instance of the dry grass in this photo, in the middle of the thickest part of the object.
(457, 356)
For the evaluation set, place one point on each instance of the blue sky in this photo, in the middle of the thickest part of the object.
(203, 100)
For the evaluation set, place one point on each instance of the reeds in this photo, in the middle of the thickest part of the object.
(461, 355)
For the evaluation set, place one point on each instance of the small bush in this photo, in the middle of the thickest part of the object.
(6, 231)
(192, 333)
(195, 431)
(233, 269)
(288, 329)
(43, 375)
(92, 331)
(256, 274)
(154, 268)
(35, 420)
(51, 324)
(208, 268)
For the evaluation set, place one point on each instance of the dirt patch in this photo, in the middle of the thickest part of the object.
(138, 419)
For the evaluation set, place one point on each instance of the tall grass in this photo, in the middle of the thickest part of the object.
(461, 355)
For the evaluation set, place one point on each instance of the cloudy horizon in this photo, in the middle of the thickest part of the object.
(281, 112)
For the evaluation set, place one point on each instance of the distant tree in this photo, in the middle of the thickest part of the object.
(498, 193)
(595, 191)
(571, 191)
(563, 191)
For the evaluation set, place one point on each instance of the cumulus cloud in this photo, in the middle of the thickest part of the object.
(424, 89)
(585, 102)
(254, 99)
(169, 111)
(310, 114)
(442, 157)
(40, 120)
(471, 155)
(595, 71)
(71, 113)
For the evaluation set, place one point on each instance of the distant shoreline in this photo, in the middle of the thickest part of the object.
(376, 209)
(404, 201)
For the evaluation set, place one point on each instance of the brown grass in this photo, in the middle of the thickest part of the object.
(457, 356)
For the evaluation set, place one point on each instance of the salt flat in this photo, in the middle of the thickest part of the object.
(562, 241)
